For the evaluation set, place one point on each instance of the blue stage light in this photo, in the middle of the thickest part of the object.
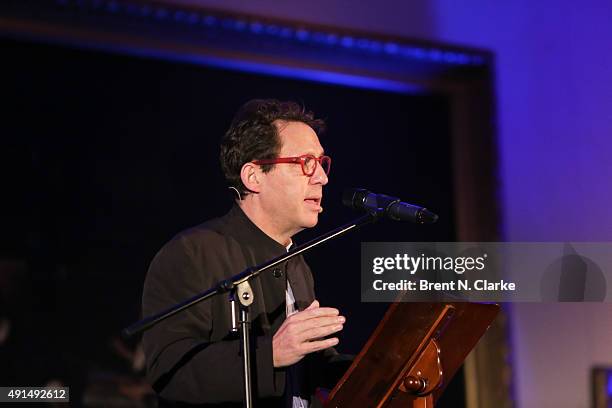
(347, 41)
(391, 48)
(272, 29)
(209, 20)
(435, 55)
(286, 32)
(240, 25)
(302, 34)
(320, 41)
(256, 27)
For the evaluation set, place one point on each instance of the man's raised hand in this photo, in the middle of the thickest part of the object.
(302, 333)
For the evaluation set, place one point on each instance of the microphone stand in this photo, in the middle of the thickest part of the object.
(239, 288)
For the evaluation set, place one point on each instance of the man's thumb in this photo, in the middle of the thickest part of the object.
(313, 305)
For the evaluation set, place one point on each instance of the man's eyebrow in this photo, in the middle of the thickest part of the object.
(314, 153)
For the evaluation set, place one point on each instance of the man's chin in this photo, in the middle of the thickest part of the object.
(311, 221)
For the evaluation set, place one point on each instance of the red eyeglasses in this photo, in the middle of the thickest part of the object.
(308, 162)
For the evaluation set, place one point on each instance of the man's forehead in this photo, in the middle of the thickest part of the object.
(298, 137)
(292, 126)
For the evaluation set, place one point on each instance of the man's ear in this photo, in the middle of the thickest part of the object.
(250, 174)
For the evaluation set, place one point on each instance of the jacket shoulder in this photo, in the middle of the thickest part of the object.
(206, 236)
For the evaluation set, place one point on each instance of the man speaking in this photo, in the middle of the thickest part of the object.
(272, 158)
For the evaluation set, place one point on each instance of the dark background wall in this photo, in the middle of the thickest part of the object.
(109, 156)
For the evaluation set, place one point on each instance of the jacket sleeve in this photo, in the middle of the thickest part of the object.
(183, 363)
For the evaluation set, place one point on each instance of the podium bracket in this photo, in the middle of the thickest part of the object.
(425, 377)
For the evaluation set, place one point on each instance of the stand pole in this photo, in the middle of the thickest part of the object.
(245, 328)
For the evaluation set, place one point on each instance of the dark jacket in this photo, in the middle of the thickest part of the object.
(192, 357)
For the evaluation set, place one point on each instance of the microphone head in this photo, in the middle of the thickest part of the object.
(353, 197)
(427, 217)
(391, 207)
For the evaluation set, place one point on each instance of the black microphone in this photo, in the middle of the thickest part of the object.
(392, 207)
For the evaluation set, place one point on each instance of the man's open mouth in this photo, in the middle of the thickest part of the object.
(313, 200)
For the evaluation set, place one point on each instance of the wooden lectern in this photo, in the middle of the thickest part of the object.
(412, 355)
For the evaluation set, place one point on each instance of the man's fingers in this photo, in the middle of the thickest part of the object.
(319, 332)
(315, 312)
(312, 346)
(313, 305)
(324, 321)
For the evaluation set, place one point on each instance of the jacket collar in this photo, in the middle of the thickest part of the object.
(258, 248)
(241, 228)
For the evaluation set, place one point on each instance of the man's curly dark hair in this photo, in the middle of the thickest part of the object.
(252, 135)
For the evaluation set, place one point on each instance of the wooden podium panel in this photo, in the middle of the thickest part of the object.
(412, 355)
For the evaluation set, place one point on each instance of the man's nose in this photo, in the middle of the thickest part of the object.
(319, 176)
